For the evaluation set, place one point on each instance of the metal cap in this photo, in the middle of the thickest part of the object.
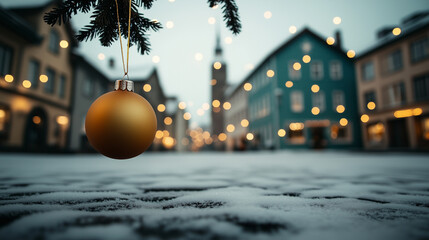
(124, 85)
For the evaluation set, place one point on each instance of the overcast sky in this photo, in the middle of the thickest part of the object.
(188, 79)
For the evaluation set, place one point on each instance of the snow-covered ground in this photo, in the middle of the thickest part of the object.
(254, 195)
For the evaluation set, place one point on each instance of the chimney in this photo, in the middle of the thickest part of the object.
(338, 39)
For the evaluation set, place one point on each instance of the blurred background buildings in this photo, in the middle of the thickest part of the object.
(308, 93)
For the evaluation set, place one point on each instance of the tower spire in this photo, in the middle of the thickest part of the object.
(218, 49)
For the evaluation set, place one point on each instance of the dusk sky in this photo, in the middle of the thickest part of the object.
(182, 75)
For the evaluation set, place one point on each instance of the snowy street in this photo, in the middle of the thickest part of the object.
(252, 195)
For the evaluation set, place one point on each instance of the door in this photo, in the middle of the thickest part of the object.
(318, 137)
(36, 130)
(398, 136)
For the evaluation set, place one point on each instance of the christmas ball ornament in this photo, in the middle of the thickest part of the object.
(121, 124)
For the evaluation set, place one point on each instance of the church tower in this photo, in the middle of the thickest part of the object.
(218, 83)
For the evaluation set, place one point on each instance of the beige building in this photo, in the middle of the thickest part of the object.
(236, 119)
(35, 80)
(393, 87)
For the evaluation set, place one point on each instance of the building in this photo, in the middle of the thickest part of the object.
(219, 84)
(236, 118)
(149, 86)
(304, 95)
(88, 84)
(35, 80)
(393, 87)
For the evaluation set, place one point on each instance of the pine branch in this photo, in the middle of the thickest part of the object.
(230, 14)
(103, 23)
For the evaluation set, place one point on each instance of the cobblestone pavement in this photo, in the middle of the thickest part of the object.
(255, 195)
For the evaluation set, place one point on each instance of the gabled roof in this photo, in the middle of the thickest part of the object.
(410, 25)
(78, 59)
(36, 8)
(288, 42)
(18, 25)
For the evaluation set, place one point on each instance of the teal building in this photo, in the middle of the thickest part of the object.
(304, 96)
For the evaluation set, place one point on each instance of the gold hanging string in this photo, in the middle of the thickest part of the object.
(120, 38)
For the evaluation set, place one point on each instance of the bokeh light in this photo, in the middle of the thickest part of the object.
(315, 110)
(340, 109)
(226, 105)
(306, 58)
(26, 84)
(330, 40)
(315, 88)
(371, 105)
(64, 44)
(8, 78)
(396, 31)
(216, 103)
(297, 66)
(43, 78)
(217, 65)
(289, 84)
(161, 107)
(337, 20)
(351, 53)
(147, 87)
(168, 121)
(343, 122)
(247, 87)
(244, 123)
(364, 118)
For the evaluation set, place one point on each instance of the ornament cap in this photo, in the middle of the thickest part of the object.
(124, 85)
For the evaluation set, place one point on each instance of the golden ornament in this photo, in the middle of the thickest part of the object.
(121, 124)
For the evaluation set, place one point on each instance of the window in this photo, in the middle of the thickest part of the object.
(336, 70)
(293, 74)
(297, 101)
(319, 100)
(394, 95)
(33, 73)
(368, 71)
(375, 133)
(54, 41)
(421, 87)
(393, 62)
(419, 49)
(4, 122)
(338, 99)
(369, 97)
(316, 69)
(49, 85)
(5, 60)
(62, 86)
(88, 87)
(296, 133)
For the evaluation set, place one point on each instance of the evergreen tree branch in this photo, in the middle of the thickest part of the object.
(103, 23)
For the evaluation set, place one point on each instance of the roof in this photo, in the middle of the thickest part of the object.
(18, 7)
(15, 23)
(81, 60)
(288, 42)
(409, 26)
